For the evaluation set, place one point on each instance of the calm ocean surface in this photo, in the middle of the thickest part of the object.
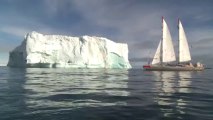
(101, 94)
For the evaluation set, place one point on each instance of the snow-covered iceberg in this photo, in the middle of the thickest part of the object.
(38, 50)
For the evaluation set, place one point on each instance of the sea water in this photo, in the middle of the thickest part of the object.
(104, 94)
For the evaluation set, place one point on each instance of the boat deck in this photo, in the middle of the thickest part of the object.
(171, 68)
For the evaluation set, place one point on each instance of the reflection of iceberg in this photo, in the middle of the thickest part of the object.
(12, 93)
(75, 87)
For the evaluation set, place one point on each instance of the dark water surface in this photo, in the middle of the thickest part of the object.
(100, 94)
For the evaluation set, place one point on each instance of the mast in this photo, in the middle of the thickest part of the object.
(178, 42)
(165, 52)
(158, 57)
(161, 49)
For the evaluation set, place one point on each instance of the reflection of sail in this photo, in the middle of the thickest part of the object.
(168, 82)
(183, 85)
(167, 85)
(171, 87)
(184, 82)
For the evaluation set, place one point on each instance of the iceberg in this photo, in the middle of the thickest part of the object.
(53, 51)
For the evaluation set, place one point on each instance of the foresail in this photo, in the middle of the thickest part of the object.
(168, 52)
(156, 59)
(184, 53)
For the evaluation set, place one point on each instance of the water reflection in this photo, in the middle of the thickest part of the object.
(167, 82)
(183, 88)
(12, 93)
(172, 87)
(141, 88)
(74, 88)
(184, 82)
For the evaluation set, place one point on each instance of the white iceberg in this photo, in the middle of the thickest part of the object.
(38, 50)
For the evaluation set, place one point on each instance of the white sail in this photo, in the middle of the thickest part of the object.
(168, 52)
(184, 53)
(156, 59)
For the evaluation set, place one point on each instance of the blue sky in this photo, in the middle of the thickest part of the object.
(136, 22)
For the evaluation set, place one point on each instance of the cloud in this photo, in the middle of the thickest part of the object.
(203, 43)
(14, 31)
(136, 22)
(133, 24)
(52, 6)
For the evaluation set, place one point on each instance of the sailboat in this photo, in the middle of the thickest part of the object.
(165, 59)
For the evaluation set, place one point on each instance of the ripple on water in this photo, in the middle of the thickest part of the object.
(104, 94)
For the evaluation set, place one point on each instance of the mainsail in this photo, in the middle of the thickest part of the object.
(184, 53)
(168, 52)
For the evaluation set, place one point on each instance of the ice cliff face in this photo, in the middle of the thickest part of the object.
(38, 50)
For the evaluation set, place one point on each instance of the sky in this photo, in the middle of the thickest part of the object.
(135, 22)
